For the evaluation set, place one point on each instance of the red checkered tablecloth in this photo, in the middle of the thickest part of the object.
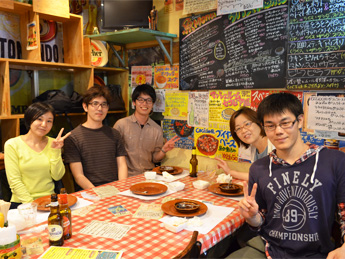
(147, 238)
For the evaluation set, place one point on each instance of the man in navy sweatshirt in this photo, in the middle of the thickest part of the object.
(293, 193)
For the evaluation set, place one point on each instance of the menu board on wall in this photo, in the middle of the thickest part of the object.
(243, 50)
(316, 48)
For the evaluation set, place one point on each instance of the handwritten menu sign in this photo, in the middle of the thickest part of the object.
(232, 6)
(176, 104)
(195, 6)
(316, 58)
(222, 104)
(198, 109)
(243, 50)
(327, 113)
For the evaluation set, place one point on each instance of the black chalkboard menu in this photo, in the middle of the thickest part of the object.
(244, 50)
(316, 45)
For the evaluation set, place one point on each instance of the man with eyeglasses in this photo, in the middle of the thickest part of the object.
(95, 152)
(294, 192)
(142, 136)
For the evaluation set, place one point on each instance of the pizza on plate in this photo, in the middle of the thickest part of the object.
(207, 144)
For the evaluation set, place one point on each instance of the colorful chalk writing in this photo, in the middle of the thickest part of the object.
(316, 42)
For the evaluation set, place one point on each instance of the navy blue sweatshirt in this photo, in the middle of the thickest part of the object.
(301, 202)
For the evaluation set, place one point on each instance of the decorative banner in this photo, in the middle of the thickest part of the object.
(51, 36)
(159, 105)
(176, 104)
(141, 75)
(196, 6)
(222, 104)
(167, 77)
(234, 6)
(215, 143)
(198, 109)
(10, 36)
(172, 128)
(258, 95)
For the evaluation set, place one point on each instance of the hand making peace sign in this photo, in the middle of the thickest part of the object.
(169, 145)
(248, 206)
(58, 142)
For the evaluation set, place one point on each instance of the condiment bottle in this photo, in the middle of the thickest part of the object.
(55, 223)
(193, 167)
(65, 212)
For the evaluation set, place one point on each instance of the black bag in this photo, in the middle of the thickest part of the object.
(77, 102)
(56, 98)
(117, 103)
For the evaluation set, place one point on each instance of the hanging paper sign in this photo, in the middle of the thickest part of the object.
(31, 36)
(213, 142)
(198, 109)
(224, 103)
(159, 105)
(167, 77)
(176, 104)
(180, 128)
(141, 75)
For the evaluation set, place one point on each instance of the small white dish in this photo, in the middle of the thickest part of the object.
(176, 224)
(150, 175)
(201, 184)
(177, 186)
(175, 228)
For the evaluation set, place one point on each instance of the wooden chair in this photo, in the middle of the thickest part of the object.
(192, 250)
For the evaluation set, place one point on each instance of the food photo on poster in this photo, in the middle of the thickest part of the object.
(180, 128)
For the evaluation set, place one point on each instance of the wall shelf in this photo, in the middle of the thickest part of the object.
(77, 60)
(125, 37)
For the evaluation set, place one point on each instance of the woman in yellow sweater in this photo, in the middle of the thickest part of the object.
(33, 160)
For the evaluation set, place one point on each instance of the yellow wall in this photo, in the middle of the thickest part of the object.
(168, 22)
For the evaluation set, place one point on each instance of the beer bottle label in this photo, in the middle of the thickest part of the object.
(55, 232)
(66, 225)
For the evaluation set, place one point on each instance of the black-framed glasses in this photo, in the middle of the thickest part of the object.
(142, 100)
(283, 125)
(97, 104)
(245, 125)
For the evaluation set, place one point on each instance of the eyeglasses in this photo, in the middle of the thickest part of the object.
(97, 104)
(246, 125)
(142, 100)
(283, 125)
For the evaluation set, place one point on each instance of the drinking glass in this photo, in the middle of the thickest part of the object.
(28, 211)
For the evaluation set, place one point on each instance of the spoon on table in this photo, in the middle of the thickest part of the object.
(230, 181)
